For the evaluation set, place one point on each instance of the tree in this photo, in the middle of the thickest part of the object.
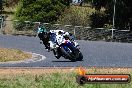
(1, 6)
(40, 10)
(123, 17)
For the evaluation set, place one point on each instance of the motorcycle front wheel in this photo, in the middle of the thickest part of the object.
(80, 57)
(68, 55)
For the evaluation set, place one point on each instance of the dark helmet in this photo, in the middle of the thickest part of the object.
(59, 32)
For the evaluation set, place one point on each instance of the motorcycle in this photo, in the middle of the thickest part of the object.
(69, 50)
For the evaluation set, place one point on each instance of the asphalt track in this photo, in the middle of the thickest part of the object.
(96, 53)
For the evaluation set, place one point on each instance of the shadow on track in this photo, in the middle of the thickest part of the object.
(65, 61)
(61, 61)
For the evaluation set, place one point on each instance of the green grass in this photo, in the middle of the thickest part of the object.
(54, 80)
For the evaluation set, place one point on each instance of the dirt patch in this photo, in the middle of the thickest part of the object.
(33, 71)
(13, 55)
(39, 71)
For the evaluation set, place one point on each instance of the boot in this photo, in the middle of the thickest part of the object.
(57, 55)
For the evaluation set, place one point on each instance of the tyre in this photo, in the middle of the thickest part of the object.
(68, 56)
(73, 60)
(65, 53)
(74, 56)
(80, 57)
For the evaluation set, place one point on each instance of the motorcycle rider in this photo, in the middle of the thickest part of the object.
(44, 36)
(71, 37)
(61, 36)
(59, 40)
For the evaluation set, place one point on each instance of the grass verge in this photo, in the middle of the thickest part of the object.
(13, 55)
(60, 79)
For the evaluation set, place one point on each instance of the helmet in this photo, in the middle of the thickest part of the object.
(60, 32)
